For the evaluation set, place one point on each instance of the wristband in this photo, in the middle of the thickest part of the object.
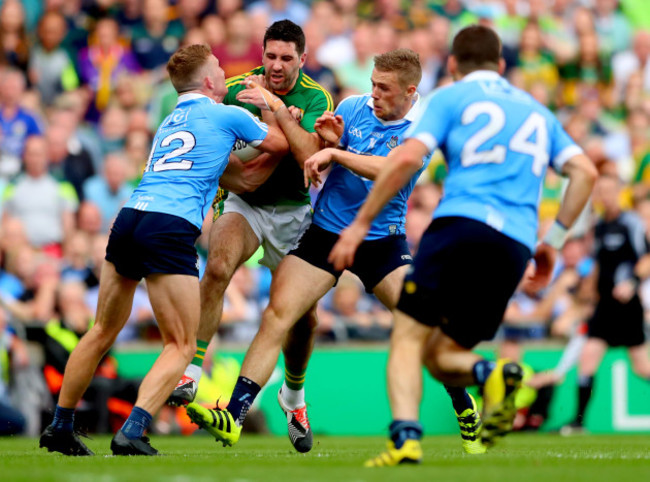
(556, 235)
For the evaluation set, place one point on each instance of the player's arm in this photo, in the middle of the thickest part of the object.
(366, 166)
(303, 144)
(247, 175)
(582, 176)
(398, 169)
(240, 177)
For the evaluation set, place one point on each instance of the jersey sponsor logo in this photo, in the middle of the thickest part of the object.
(353, 131)
(372, 143)
(393, 142)
(141, 206)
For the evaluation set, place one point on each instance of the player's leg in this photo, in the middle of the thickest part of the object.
(292, 227)
(592, 355)
(639, 359)
(297, 349)
(232, 241)
(113, 309)
(469, 420)
(176, 304)
(295, 288)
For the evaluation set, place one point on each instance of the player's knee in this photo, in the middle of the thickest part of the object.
(274, 323)
(218, 273)
(102, 337)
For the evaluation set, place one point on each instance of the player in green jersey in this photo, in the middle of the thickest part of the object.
(275, 215)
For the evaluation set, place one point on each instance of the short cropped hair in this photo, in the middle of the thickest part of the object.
(476, 47)
(185, 64)
(286, 31)
(403, 61)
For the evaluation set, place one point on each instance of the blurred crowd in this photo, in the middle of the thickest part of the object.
(83, 88)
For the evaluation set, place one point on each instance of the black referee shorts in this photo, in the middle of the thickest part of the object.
(619, 324)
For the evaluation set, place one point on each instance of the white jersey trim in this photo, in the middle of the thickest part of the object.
(427, 139)
(564, 155)
(192, 96)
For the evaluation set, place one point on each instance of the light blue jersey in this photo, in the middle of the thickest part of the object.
(190, 152)
(498, 142)
(344, 191)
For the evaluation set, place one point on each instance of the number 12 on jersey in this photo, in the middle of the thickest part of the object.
(533, 127)
(168, 161)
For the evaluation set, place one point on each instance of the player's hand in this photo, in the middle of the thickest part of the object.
(330, 127)
(258, 96)
(316, 164)
(295, 112)
(543, 269)
(342, 255)
(624, 291)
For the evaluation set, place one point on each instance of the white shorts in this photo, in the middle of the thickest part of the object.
(278, 228)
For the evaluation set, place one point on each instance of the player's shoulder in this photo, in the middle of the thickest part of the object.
(441, 94)
(315, 91)
(354, 103)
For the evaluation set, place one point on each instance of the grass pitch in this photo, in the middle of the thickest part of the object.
(528, 458)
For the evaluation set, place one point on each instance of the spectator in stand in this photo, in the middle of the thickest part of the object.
(155, 38)
(16, 123)
(362, 317)
(14, 44)
(238, 54)
(314, 38)
(12, 352)
(614, 30)
(113, 127)
(242, 311)
(76, 258)
(277, 10)
(337, 49)
(110, 190)
(354, 76)
(51, 70)
(535, 63)
(632, 60)
(39, 280)
(44, 205)
(589, 69)
(102, 62)
(69, 110)
(192, 12)
(69, 161)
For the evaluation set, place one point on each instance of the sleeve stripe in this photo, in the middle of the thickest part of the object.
(328, 97)
(564, 155)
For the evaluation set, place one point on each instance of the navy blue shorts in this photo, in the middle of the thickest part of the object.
(373, 261)
(143, 243)
(462, 278)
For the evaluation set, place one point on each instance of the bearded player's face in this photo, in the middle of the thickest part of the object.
(281, 65)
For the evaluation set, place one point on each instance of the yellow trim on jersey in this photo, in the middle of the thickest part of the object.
(310, 83)
(238, 78)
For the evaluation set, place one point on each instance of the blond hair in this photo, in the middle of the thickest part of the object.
(404, 62)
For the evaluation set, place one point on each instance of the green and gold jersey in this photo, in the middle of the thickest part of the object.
(286, 185)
